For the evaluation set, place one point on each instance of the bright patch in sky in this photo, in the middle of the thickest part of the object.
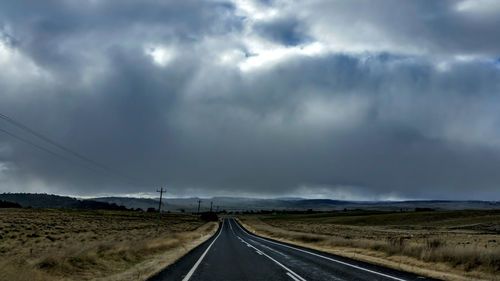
(161, 55)
(478, 6)
(15, 66)
(267, 56)
(254, 11)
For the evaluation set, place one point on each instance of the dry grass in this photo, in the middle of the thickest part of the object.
(42, 244)
(460, 245)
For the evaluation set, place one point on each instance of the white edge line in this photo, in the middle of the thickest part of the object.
(277, 262)
(291, 276)
(190, 273)
(330, 259)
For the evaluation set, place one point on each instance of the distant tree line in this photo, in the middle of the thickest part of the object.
(7, 204)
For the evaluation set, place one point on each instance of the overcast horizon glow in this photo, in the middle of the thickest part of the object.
(352, 100)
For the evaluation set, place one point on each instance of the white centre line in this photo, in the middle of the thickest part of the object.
(269, 248)
(190, 273)
(327, 258)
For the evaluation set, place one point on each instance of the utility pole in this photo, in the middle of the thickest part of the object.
(161, 194)
(211, 203)
(199, 201)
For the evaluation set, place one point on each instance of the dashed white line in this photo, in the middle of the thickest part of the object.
(327, 258)
(269, 248)
(190, 273)
(277, 262)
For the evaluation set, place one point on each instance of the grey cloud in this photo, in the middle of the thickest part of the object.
(374, 124)
(60, 36)
(431, 27)
(287, 31)
(397, 146)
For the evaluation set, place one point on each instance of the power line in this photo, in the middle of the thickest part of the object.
(41, 147)
(60, 146)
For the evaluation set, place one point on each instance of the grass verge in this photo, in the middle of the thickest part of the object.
(444, 246)
(45, 244)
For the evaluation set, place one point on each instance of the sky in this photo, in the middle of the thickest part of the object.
(354, 100)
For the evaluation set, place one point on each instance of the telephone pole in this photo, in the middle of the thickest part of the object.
(199, 201)
(211, 203)
(161, 194)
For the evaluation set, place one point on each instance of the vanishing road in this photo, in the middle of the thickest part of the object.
(235, 254)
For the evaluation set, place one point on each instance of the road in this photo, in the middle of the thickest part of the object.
(235, 254)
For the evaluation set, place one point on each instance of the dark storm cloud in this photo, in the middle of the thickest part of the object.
(288, 32)
(385, 147)
(157, 91)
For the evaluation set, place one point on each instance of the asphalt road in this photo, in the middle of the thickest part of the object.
(235, 254)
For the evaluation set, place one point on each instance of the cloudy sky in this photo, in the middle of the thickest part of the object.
(345, 99)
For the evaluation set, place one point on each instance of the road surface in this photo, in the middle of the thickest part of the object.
(235, 254)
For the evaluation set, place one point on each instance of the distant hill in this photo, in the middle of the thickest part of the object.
(236, 203)
(42, 200)
(247, 204)
(132, 203)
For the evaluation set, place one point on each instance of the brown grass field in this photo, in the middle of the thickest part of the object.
(449, 245)
(49, 244)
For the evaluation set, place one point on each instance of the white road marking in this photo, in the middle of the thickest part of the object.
(327, 258)
(277, 262)
(291, 276)
(269, 248)
(190, 273)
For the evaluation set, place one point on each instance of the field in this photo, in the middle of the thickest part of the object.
(450, 245)
(57, 244)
